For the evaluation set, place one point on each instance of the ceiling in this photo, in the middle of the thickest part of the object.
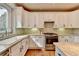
(49, 6)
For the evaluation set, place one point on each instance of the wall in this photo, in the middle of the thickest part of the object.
(67, 31)
(22, 31)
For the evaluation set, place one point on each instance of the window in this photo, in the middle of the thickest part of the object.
(6, 19)
(3, 19)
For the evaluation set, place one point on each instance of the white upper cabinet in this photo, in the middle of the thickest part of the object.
(32, 20)
(39, 20)
(19, 18)
(75, 19)
(60, 20)
(25, 19)
(35, 20)
(48, 16)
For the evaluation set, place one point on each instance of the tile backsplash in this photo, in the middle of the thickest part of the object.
(23, 31)
(67, 31)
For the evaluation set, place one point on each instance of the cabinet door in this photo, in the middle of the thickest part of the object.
(23, 46)
(19, 13)
(71, 21)
(65, 20)
(48, 16)
(75, 18)
(31, 20)
(25, 19)
(76, 39)
(58, 20)
(15, 50)
(61, 39)
(27, 44)
(39, 20)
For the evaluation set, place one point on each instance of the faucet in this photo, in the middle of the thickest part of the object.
(1, 36)
(6, 32)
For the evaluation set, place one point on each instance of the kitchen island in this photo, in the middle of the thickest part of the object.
(66, 49)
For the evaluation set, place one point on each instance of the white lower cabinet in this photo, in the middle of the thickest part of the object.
(66, 39)
(23, 46)
(76, 39)
(15, 50)
(19, 49)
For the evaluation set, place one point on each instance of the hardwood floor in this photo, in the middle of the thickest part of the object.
(39, 52)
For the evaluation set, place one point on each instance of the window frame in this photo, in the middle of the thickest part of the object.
(9, 21)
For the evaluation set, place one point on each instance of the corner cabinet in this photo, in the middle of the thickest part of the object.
(19, 17)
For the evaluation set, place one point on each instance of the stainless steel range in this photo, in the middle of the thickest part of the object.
(50, 38)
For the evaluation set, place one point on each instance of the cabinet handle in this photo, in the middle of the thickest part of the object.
(71, 25)
(59, 54)
(20, 50)
(63, 25)
(22, 46)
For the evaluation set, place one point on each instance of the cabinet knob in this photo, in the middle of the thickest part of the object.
(71, 25)
(63, 25)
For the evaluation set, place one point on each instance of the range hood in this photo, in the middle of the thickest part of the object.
(48, 27)
(48, 24)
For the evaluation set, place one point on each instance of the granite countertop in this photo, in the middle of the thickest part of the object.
(69, 49)
(7, 43)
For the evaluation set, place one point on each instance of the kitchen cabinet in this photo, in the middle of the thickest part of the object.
(23, 46)
(20, 48)
(48, 16)
(76, 39)
(66, 38)
(15, 50)
(39, 20)
(75, 19)
(71, 20)
(35, 20)
(32, 20)
(25, 19)
(19, 17)
(58, 21)
(27, 44)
